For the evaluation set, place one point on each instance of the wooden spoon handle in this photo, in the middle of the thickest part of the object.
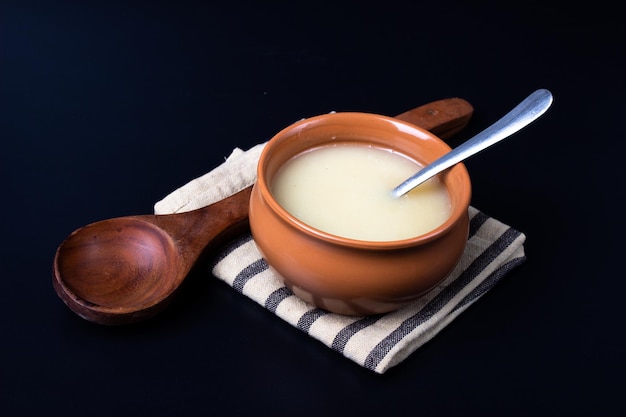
(206, 228)
(444, 117)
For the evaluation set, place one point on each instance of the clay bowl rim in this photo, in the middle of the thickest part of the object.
(403, 128)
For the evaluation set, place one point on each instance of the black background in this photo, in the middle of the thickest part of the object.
(107, 106)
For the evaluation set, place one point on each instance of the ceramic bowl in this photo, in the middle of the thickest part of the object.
(348, 276)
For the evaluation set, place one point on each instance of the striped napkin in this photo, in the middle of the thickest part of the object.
(376, 342)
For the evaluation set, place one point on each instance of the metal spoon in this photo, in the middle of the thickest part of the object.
(522, 115)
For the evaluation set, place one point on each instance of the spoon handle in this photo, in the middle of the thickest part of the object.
(522, 115)
(443, 118)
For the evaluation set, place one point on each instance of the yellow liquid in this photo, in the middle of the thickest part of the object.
(345, 190)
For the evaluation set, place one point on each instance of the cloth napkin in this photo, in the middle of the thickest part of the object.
(375, 342)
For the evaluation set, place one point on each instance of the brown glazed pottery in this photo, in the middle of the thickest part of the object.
(349, 276)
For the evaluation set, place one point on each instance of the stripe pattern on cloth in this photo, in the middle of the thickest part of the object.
(382, 341)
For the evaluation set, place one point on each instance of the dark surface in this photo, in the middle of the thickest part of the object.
(106, 107)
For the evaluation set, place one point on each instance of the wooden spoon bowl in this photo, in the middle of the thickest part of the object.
(127, 269)
(124, 270)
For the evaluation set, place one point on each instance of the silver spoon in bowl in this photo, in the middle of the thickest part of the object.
(526, 112)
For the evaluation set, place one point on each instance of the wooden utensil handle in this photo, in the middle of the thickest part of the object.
(444, 117)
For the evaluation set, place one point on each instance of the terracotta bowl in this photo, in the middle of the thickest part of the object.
(348, 276)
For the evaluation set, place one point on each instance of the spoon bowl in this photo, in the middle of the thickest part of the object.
(119, 264)
(127, 269)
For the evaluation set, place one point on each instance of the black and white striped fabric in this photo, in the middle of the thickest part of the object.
(374, 342)
(382, 341)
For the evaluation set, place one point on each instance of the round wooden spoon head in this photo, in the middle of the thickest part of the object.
(119, 270)
(124, 270)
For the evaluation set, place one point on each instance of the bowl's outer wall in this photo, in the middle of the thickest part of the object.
(343, 275)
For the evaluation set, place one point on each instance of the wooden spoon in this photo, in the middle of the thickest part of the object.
(127, 269)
